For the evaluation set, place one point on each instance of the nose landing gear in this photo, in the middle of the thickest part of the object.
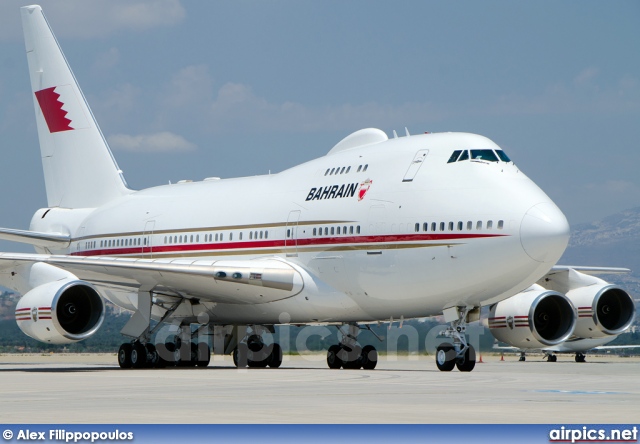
(460, 354)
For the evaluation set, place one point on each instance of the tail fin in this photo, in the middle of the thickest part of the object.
(79, 169)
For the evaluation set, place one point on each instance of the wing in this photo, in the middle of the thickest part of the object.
(234, 282)
(593, 271)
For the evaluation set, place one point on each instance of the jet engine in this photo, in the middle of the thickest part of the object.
(603, 310)
(534, 318)
(61, 312)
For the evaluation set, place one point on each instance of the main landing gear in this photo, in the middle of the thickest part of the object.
(580, 357)
(459, 354)
(176, 352)
(348, 354)
(182, 350)
(254, 353)
(551, 357)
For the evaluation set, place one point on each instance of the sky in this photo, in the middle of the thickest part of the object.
(193, 89)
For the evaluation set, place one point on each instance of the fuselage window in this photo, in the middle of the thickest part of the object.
(503, 156)
(351, 229)
(460, 225)
(365, 168)
(326, 231)
(489, 225)
(487, 155)
(425, 226)
(332, 231)
(332, 170)
(450, 226)
(344, 230)
(288, 232)
(441, 226)
(241, 235)
(500, 224)
(216, 237)
(197, 238)
(479, 225)
(251, 234)
(454, 156)
(348, 169)
(191, 239)
(102, 241)
(315, 230)
(417, 227)
(464, 156)
(433, 226)
(145, 241)
(338, 230)
(261, 234)
(358, 229)
(230, 236)
(327, 172)
(342, 170)
(469, 225)
(359, 168)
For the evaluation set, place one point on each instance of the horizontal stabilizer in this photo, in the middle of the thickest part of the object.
(36, 238)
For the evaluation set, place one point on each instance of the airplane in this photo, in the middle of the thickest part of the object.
(377, 229)
(577, 346)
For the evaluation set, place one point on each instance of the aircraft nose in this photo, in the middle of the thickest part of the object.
(544, 232)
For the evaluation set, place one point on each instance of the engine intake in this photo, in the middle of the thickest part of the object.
(603, 310)
(534, 318)
(61, 312)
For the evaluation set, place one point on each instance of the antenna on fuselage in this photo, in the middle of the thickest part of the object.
(406, 130)
(395, 135)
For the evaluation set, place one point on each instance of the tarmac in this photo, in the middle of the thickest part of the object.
(82, 388)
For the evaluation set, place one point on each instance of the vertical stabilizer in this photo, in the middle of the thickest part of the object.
(79, 169)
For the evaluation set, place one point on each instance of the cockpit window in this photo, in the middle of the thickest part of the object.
(464, 156)
(454, 156)
(487, 155)
(503, 156)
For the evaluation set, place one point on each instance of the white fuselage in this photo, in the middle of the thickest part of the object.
(391, 237)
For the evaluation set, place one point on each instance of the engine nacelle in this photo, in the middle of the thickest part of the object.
(61, 312)
(534, 318)
(603, 310)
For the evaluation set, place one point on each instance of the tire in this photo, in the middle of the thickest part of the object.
(552, 358)
(276, 356)
(153, 359)
(240, 355)
(333, 361)
(445, 357)
(369, 357)
(203, 355)
(138, 356)
(353, 359)
(124, 355)
(467, 362)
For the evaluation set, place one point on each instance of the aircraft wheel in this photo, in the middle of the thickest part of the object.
(467, 362)
(275, 356)
(138, 355)
(580, 357)
(124, 355)
(240, 355)
(552, 358)
(445, 357)
(152, 355)
(203, 356)
(333, 361)
(522, 359)
(369, 357)
(351, 357)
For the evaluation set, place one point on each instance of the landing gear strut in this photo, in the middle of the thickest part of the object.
(348, 354)
(523, 357)
(459, 354)
(253, 352)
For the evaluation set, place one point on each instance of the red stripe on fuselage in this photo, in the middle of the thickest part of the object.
(280, 243)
